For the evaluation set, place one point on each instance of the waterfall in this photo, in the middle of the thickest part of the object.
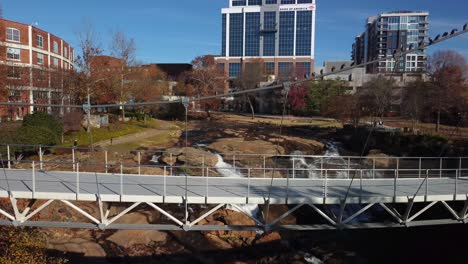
(228, 171)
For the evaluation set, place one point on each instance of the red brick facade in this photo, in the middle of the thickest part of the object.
(32, 61)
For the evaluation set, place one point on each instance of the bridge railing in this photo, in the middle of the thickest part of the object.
(249, 178)
(104, 160)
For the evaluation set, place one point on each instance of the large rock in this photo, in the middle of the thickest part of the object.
(130, 238)
(79, 246)
(190, 156)
(240, 145)
(268, 238)
(381, 160)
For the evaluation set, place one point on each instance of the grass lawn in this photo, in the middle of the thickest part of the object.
(286, 122)
(113, 131)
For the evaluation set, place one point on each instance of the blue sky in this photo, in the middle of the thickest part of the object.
(179, 30)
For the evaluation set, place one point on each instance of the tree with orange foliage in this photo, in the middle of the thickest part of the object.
(204, 80)
(251, 77)
(447, 70)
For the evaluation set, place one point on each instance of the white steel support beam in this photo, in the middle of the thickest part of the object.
(358, 213)
(247, 214)
(392, 213)
(166, 214)
(421, 211)
(40, 208)
(279, 219)
(323, 214)
(9, 216)
(124, 212)
(206, 214)
(81, 211)
(450, 209)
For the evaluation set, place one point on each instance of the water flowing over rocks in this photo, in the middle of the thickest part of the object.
(189, 156)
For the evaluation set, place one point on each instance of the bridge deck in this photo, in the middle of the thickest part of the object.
(172, 189)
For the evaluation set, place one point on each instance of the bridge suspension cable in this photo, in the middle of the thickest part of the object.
(422, 45)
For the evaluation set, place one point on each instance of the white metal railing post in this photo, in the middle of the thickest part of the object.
(398, 168)
(360, 187)
(9, 156)
(139, 163)
(287, 188)
(440, 169)
(77, 180)
(203, 166)
(321, 167)
(33, 179)
(456, 185)
(172, 162)
(164, 184)
(41, 166)
(121, 182)
(294, 168)
(248, 185)
(207, 177)
(326, 183)
(73, 158)
(106, 161)
(420, 167)
(395, 185)
(373, 168)
(427, 184)
(349, 167)
(460, 167)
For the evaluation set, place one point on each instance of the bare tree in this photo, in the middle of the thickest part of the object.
(376, 95)
(415, 100)
(448, 72)
(123, 48)
(90, 48)
(251, 77)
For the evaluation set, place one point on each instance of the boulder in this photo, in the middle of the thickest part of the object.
(268, 238)
(79, 246)
(130, 238)
(381, 160)
(190, 156)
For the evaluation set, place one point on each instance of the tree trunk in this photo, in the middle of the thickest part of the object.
(438, 121)
(251, 107)
(121, 95)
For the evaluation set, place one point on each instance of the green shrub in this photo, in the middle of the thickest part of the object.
(42, 119)
(30, 135)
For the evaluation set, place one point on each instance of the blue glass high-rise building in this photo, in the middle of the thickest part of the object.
(280, 32)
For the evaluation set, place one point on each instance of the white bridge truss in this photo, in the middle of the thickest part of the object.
(336, 191)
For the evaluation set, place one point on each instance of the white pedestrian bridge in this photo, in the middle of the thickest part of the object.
(337, 190)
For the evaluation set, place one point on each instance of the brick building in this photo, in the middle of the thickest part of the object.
(32, 64)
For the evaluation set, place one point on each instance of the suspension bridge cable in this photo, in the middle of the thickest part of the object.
(422, 45)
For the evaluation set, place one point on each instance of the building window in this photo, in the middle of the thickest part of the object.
(304, 1)
(271, 2)
(252, 34)
(285, 70)
(234, 70)
(236, 33)
(40, 58)
(223, 41)
(13, 73)
(255, 2)
(13, 34)
(303, 69)
(40, 41)
(65, 52)
(269, 33)
(56, 49)
(239, 3)
(304, 33)
(13, 54)
(286, 34)
(287, 2)
(56, 62)
(269, 68)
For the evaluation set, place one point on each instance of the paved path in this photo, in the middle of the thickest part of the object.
(172, 189)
